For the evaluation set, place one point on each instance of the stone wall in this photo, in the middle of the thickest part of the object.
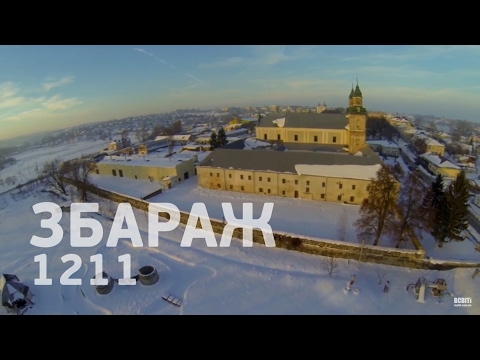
(337, 249)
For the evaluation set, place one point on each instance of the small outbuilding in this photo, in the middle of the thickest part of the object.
(16, 297)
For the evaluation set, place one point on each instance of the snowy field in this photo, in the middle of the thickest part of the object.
(234, 280)
(27, 162)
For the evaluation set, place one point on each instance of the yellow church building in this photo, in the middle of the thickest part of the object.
(316, 156)
(319, 128)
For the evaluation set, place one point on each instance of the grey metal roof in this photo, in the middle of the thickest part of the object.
(280, 161)
(306, 120)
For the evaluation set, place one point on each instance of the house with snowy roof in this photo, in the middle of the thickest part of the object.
(433, 146)
(385, 147)
(402, 123)
(441, 135)
(163, 168)
(439, 164)
(312, 156)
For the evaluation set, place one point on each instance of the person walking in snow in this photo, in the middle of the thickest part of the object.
(352, 280)
(387, 285)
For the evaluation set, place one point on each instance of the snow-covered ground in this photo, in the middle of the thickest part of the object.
(295, 216)
(233, 280)
(455, 250)
(391, 161)
(27, 162)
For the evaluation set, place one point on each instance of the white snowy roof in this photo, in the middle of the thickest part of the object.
(236, 132)
(252, 143)
(439, 161)
(400, 119)
(150, 161)
(433, 142)
(192, 147)
(384, 143)
(340, 171)
(175, 137)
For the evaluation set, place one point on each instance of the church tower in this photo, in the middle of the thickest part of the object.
(321, 108)
(357, 121)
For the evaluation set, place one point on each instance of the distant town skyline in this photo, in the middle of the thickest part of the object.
(54, 87)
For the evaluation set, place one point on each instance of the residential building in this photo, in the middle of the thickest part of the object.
(434, 147)
(403, 124)
(441, 135)
(151, 146)
(474, 186)
(438, 164)
(119, 144)
(384, 147)
(176, 139)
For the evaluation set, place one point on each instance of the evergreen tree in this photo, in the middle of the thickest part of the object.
(213, 140)
(437, 191)
(452, 212)
(458, 196)
(221, 138)
(431, 202)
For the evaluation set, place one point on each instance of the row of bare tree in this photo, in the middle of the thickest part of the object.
(56, 174)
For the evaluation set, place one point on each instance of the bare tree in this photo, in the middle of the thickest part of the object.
(451, 125)
(420, 145)
(342, 225)
(142, 134)
(397, 171)
(329, 264)
(455, 136)
(381, 274)
(410, 211)
(170, 145)
(378, 211)
(54, 173)
(79, 170)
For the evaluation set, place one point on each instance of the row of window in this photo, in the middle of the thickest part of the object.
(322, 196)
(260, 178)
(120, 173)
(315, 138)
